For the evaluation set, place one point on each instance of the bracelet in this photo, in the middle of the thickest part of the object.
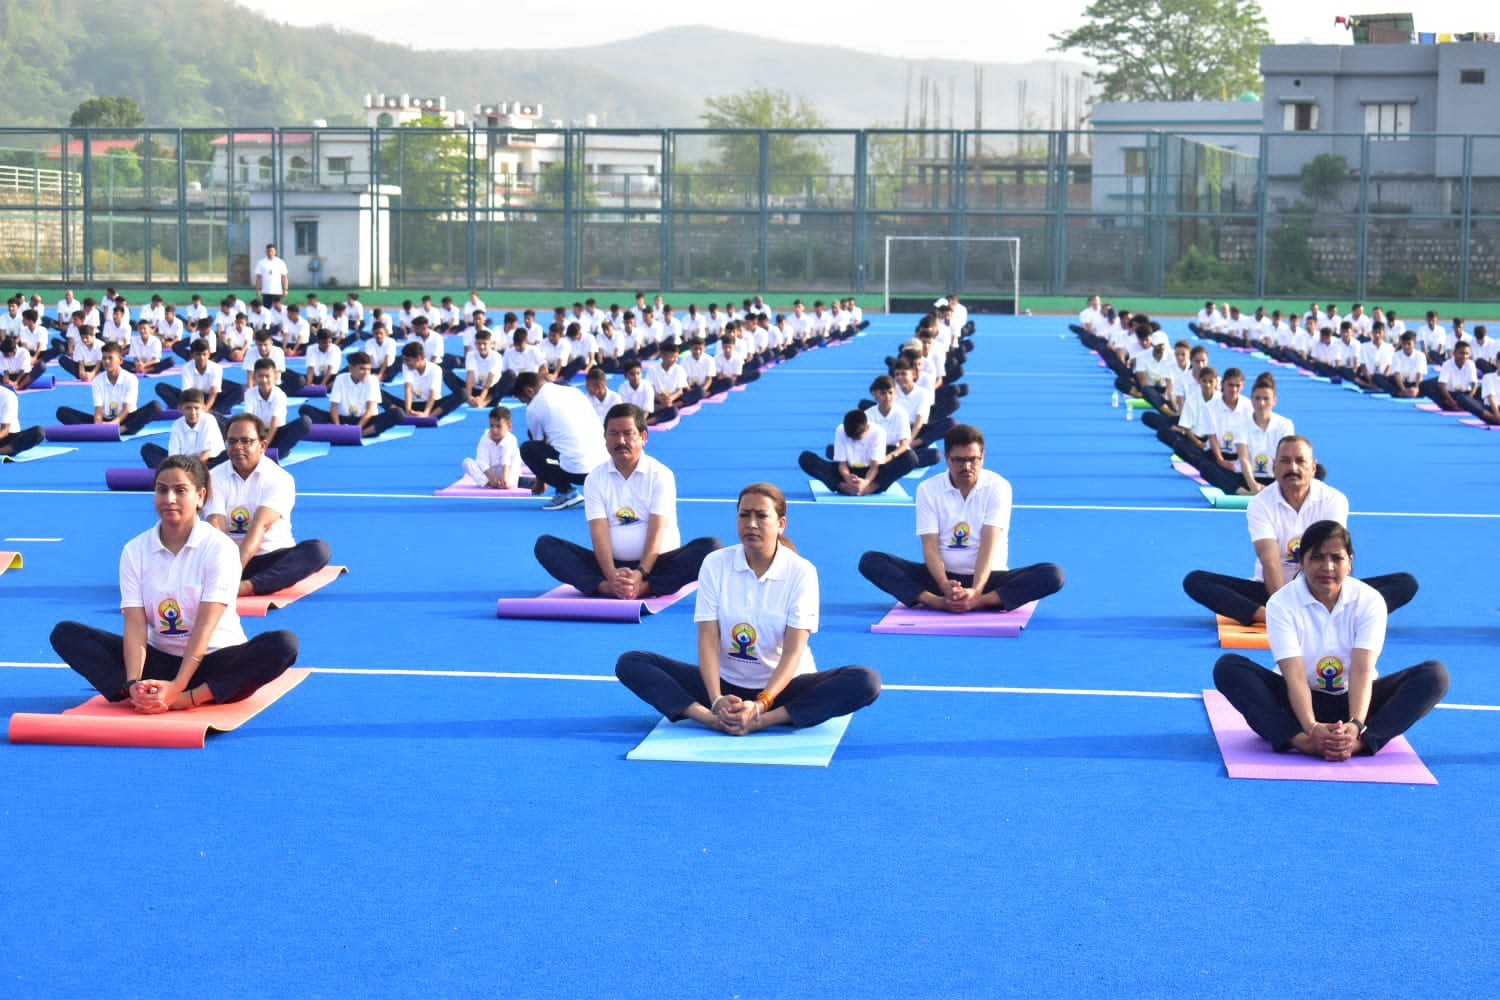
(192, 698)
(715, 706)
(194, 659)
(763, 701)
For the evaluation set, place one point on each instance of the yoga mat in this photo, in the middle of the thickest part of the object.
(412, 420)
(662, 428)
(41, 384)
(133, 478)
(1192, 473)
(39, 451)
(464, 488)
(690, 409)
(168, 414)
(305, 451)
(259, 605)
(896, 494)
(100, 723)
(1137, 403)
(340, 434)
(1233, 635)
(10, 560)
(150, 430)
(391, 434)
(717, 397)
(310, 391)
(1466, 421)
(564, 603)
(1223, 501)
(1429, 408)
(902, 620)
(83, 432)
(689, 742)
(1246, 755)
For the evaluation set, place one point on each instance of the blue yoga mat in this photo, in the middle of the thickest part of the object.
(691, 743)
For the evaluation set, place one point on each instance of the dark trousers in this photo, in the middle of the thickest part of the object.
(1388, 383)
(1240, 599)
(231, 394)
(273, 571)
(232, 673)
(153, 453)
(383, 421)
(130, 425)
(906, 580)
(576, 566)
(542, 459)
(444, 405)
(289, 434)
(827, 472)
(671, 686)
(1397, 700)
(21, 440)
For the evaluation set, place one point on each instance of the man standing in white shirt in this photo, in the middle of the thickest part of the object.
(960, 572)
(630, 502)
(270, 278)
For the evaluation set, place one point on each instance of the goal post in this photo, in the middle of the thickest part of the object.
(985, 271)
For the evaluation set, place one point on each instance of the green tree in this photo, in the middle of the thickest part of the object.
(430, 163)
(107, 112)
(1324, 175)
(793, 158)
(1171, 50)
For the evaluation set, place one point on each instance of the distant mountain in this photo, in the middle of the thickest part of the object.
(212, 63)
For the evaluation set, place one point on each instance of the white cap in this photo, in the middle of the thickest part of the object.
(1159, 337)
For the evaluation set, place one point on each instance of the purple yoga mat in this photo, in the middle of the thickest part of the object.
(335, 433)
(83, 432)
(563, 603)
(1246, 755)
(130, 479)
(717, 397)
(465, 488)
(310, 391)
(412, 420)
(167, 413)
(1192, 473)
(902, 620)
(667, 425)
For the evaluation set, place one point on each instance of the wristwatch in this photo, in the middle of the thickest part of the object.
(1357, 724)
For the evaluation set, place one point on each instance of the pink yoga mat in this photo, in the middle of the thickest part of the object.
(564, 603)
(83, 432)
(465, 488)
(717, 397)
(99, 723)
(1246, 755)
(260, 605)
(1192, 473)
(902, 620)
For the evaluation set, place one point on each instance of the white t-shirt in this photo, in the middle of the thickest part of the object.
(270, 275)
(321, 362)
(700, 370)
(1489, 389)
(667, 380)
(860, 452)
(426, 384)
(917, 403)
(958, 520)
(640, 395)
(896, 424)
(210, 379)
(561, 416)
(525, 359)
(170, 587)
(1269, 516)
(499, 457)
(237, 500)
(10, 410)
(350, 398)
(1262, 443)
(270, 409)
(1297, 624)
(753, 613)
(1455, 379)
(195, 440)
(115, 397)
(603, 406)
(628, 504)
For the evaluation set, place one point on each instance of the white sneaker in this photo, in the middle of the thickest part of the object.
(475, 473)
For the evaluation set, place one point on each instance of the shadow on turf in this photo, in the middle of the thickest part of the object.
(625, 730)
(1185, 747)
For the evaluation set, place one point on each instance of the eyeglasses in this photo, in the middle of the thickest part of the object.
(245, 441)
(965, 459)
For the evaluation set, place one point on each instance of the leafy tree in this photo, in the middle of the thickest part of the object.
(429, 161)
(1324, 175)
(107, 112)
(1171, 50)
(793, 158)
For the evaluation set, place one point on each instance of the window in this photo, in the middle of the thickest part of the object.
(1135, 162)
(305, 237)
(1301, 116)
(1471, 76)
(340, 164)
(1389, 122)
(265, 168)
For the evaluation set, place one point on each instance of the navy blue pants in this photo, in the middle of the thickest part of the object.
(576, 566)
(542, 459)
(671, 686)
(1240, 599)
(1397, 700)
(232, 673)
(132, 424)
(273, 571)
(906, 581)
(827, 472)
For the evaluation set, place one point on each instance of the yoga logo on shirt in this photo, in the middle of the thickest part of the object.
(961, 535)
(1330, 671)
(742, 636)
(169, 613)
(1293, 546)
(626, 515)
(1229, 440)
(239, 520)
(1262, 463)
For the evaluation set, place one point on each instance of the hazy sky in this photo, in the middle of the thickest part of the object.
(936, 28)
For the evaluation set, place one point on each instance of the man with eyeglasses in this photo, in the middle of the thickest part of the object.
(963, 520)
(251, 501)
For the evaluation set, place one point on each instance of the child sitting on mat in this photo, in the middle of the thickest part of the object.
(192, 434)
(860, 465)
(601, 397)
(496, 463)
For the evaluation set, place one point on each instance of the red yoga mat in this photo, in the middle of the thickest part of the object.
(259, 605)
(100, 723)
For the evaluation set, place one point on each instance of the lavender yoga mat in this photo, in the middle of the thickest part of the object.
(1246, 755)
(134, 478)
(344, 434)
(564, 603)
(902, 620)
(465, 488)
(83, 432)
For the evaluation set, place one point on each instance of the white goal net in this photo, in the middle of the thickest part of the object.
(985, 271)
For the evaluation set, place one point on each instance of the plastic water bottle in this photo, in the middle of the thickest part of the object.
(1129, 411)
(1114, 398)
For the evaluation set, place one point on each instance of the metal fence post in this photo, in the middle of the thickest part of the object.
(1362, 231)
(763, 257)
(1466, 220)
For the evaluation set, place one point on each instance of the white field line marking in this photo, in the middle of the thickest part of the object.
(33, 539)
(604, 678)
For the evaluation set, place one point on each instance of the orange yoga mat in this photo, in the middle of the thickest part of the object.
(9, 560)
(100, 723)
(1233, 635)
(259, 605)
